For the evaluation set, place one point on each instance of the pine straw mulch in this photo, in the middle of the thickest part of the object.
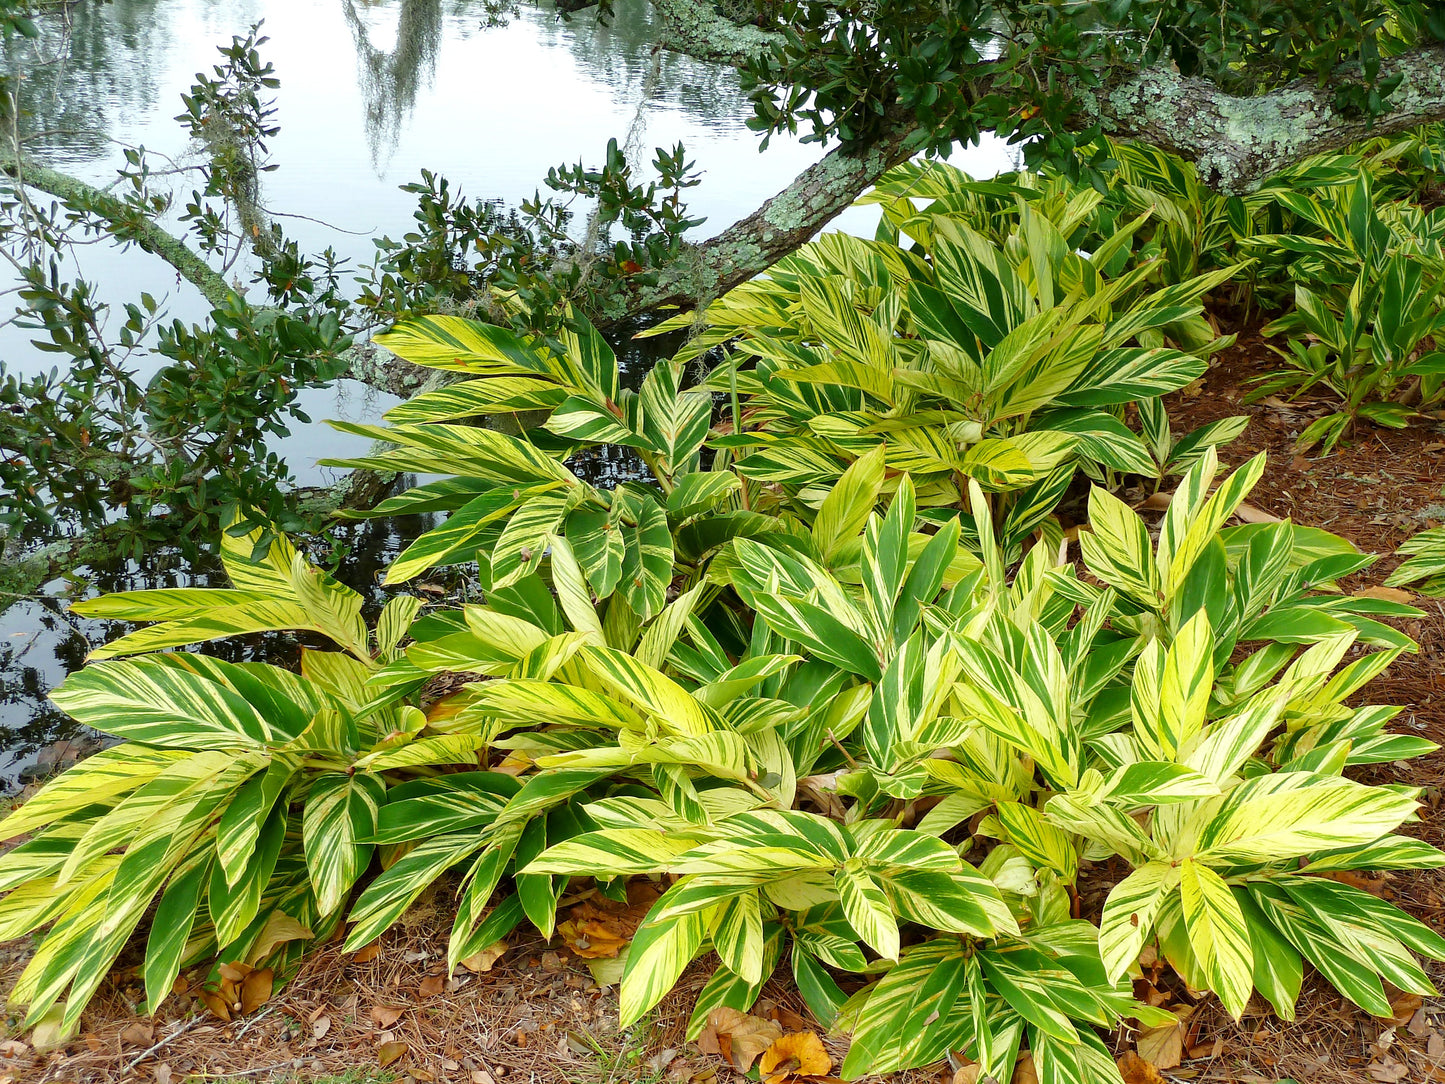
(537, 1016)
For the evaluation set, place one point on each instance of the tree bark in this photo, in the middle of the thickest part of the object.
(1237, 141)
(781, 225)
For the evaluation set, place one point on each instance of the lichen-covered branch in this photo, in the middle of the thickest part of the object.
(128, 225)
(1238, 141)
(781, 225)
(697, 28)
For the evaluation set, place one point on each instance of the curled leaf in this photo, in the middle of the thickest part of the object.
(794, 1056)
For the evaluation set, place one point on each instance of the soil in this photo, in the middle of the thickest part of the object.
(538, 1015)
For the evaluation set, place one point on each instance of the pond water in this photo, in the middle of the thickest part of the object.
(372, 92)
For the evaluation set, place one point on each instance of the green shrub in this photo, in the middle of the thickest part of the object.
(1424, 564)
(1368, 321)
(1007, 358)
(856, 745)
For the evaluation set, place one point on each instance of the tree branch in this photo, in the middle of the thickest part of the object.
(129, 226)
(696, 28)
(1236, 142)
(783, 223)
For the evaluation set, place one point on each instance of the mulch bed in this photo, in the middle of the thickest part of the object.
(538, 1014)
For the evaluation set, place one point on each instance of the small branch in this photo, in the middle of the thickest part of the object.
(130, 226)
(783, 223)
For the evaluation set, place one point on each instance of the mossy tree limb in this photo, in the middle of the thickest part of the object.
(1237, 141)
(126, 223)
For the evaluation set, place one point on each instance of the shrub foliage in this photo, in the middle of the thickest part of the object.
(834, 678)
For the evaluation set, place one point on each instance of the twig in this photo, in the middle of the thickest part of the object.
(846, 755)
(192, 1022)
(229, 1073)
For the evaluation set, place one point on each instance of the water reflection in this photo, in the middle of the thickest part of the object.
(41, 641)
(389, 79)
(621, 52)
(90, 66)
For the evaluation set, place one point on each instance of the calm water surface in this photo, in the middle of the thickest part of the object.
(372, 91)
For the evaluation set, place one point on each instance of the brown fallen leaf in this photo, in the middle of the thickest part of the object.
(1248, 513)
(319, 1027)
(1299, 463)
(1373, 883)
(1419, 1025)
(794, 1056)
(1403, 1007)
(591, 939)
(1389, 594)
(1135, 1070)
(1157, 502)
(431, 985)
(1024, 1071)
(13, 1048)
(968, 1074)
(481, 1076)
(163, 1073)
(1207, 1050)
(485, 959)
(1162, 1046)
(279, 929)
(739, 1038)
(383, 1016)
(234, 972)
(137, 1034)
(217, 1004)
(389, 1053)
(367, 953)
(256, 989)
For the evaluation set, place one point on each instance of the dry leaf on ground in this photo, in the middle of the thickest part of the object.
(1163, 1046)
(1403, 1007)
(234, 972)
(1389, 594)
(367, 953)
(137, 1034)
(217, 1004)
(1024, 1071)
(794, 1056)
(256, 989)
(389, 1053)
(279, 929)
(592, 939)
(1135, 1070)
(383, 1016)
(739, 1038)
(1248, 513)
(485, 959)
